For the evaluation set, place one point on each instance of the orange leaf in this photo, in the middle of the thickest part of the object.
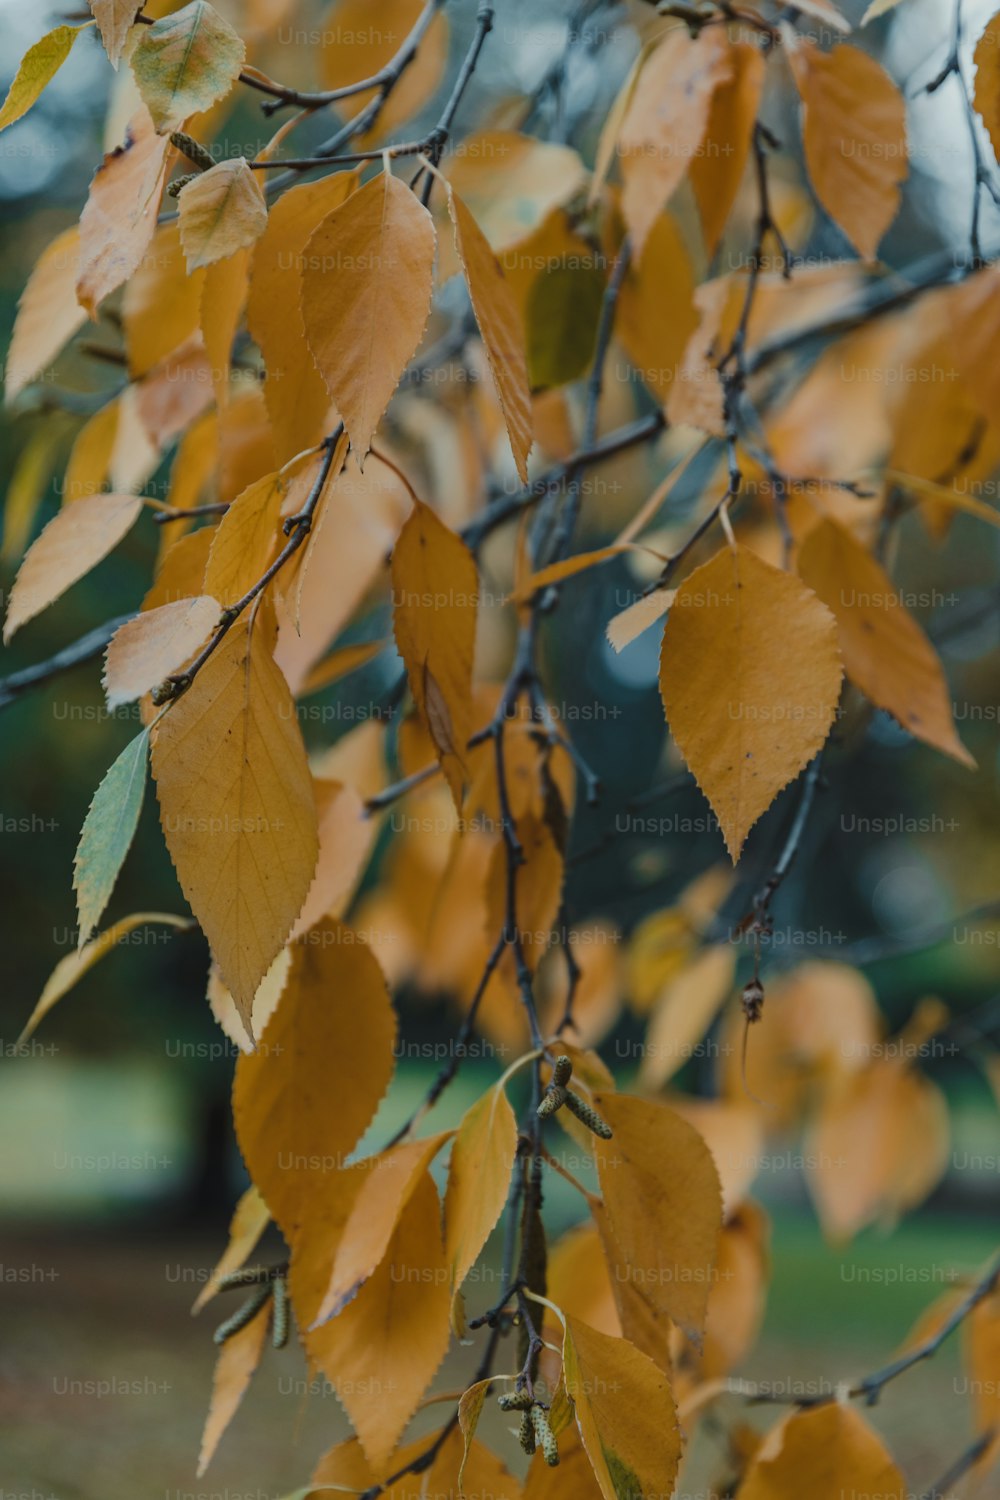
(854, 137)
(302, 1100)
(366, 292)
(826, 1453)
(501, 326)
(435, 601)
(885, 652)
(238, 1359)
(482, 1160)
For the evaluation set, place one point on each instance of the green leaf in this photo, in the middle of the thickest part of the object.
(39, 66)
(108, 831)
(184, 63)
(564, 309)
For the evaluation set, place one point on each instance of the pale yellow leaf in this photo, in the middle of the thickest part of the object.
(236, 804)
(69, 970)
(221, 212)
(184, 62)
(346, 836)
(634, 619)
(666, 122)
(119, 218)
(143, 651)
(114, 21)
(48, 312)
(73, 542)
(750, 678)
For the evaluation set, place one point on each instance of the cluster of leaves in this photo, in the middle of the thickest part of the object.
(275, 335)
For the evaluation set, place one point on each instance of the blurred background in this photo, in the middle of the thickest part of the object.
(118, 1170)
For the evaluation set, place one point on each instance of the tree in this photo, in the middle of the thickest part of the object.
(691, 285)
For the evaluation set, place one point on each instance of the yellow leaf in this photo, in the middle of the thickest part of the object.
(366, 292)
(485, 1477)
(356, 47)
(987, 87)
(582, 562)
(509, 182)
(268, 993)
(69, 970)
(119, 218)
(736, 1302)
(238, 1359)
(750, 677)
(946, 494)
(482, 1160)
(435, 590)
(250, 1219)
(470, 1409)
(656, 315)
(358, 521)
(501, 327)
(878, 8)
(684, 1012)
(666, 122)
(222, 303)
(625, 1414)
(854, 138)
(221, 212)
(245, 540)
(661, 1192)
(297, 398)
(159, 641)
(390, 1179)
(236, 804)
(160, 303)
(877, 1147)
(73, 542)
(328, 1045)
(733, 1132)
(29, 482)
(981, 1356)
(624, 628)
(183, 63)
(346, 836)
(717, 169)
(48, 313)
(884, 650)
(38, 67)
(340, 663)
(382, 1351)
(826, 1453)
(114, 21)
